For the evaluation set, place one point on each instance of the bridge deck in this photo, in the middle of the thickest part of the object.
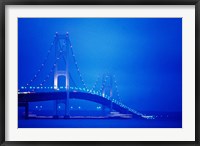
(46, 96)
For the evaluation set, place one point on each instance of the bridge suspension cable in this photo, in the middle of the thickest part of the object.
(51, 70)
(95, 84)
(41, 67)
(103, 84)
(116, 88)
(76, 64)
(72, 80)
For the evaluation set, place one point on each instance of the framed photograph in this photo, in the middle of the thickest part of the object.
(100, 72)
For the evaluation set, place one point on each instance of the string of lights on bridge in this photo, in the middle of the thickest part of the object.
(76, 64)
(41, 66)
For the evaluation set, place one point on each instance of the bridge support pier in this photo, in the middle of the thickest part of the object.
(67, 114)
(66, 110)
(55, 116)
(111, 106)
(107, 83)
(103, 108)
(62, 54)
(27, 110)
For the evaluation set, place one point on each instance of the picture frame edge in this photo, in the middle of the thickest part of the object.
(3, 3)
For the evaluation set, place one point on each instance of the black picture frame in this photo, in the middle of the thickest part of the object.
(3, 3)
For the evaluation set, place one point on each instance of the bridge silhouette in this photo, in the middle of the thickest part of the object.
(107, 95)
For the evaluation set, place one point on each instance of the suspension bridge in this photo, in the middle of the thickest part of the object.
(105, 89)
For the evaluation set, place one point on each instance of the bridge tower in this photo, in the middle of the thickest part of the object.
(61, 66)
(107, 88)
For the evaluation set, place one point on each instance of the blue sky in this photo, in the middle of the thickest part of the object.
(144, 54)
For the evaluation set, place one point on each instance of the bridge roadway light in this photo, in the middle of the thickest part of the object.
(98, 107)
